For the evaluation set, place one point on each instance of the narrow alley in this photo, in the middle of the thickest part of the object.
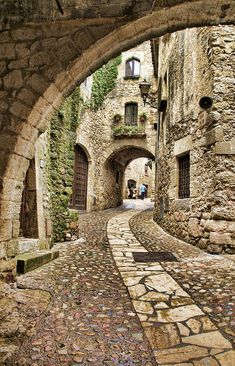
(96, 305)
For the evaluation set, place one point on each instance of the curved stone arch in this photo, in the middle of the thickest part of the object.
(85, 151)
(137, 150)
(28, 121)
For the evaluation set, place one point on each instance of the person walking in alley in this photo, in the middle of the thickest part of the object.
(142, 191)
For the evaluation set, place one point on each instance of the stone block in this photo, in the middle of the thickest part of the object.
(163, 336)
(194, 228)
(13, 80)
(5, 230)
(215, 249)
(7, 265)
(39, 59)
(223, 213)
(226, 177)
(179, 355)
(38, 83)
(20, 110)
(226, 358)
(220, 238)
(22, 50)
(174, 178)
(3, 67)
(27, 97)
(26, 34)
(17, 167)
(3, 253)
(30, 261)
(18, 64)
(202, 244)
(7, 51)
(224, 148)
(24, 148)
(12, 248)
(214, 135)
(231, 227)
(183, 145)
(215, 225)
(15, 228)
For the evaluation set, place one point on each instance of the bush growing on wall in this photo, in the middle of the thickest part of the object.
(104, 81)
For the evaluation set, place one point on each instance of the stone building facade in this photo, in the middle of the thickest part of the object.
(196, 146)
(110, 139)
(140, 171)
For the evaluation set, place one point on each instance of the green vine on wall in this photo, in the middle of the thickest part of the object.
(62, 138)
(104, 81)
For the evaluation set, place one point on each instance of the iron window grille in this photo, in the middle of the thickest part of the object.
(184, 176)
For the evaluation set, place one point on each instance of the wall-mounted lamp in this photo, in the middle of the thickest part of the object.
(147, 96)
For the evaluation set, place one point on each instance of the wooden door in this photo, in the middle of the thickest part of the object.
(79, 198)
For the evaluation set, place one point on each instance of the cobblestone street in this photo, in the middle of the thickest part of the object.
(103, 308)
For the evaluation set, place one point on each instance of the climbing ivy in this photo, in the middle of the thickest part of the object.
(62, 138)
(104, 81)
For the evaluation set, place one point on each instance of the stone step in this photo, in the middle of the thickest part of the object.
(29, 261)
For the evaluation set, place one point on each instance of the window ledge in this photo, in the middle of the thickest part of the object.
(131, 77)
(128, 135)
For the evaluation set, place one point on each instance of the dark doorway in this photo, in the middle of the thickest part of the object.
(79, 197)
(28, 212)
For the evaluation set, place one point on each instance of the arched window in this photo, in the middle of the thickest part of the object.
(131, 114)
(132, 69)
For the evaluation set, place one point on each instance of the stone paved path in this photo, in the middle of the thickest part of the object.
(81, 313)
(90, 319)
(178, 330)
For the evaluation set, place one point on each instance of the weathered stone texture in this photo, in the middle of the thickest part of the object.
(108, 155)
(206, 69)
(29, 31)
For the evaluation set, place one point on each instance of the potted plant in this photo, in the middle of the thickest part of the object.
(142, 117)
(117, 118)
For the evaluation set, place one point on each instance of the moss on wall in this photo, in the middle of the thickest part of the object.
(62, 138)
(104, 81)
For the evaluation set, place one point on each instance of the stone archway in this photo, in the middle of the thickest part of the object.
(42, 63)
(112, 187)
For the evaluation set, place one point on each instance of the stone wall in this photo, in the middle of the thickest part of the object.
(108, 155)
(197, 63)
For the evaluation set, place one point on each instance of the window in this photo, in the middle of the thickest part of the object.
(131, 114)
(184, 176)
(146, 169)
(132, 68)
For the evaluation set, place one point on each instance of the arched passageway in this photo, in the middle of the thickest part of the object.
(114, 188)
(42, 62)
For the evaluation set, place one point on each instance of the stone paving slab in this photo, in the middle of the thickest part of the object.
(178, 330)
(209, 279)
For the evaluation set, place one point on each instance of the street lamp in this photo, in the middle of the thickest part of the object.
(147, 96)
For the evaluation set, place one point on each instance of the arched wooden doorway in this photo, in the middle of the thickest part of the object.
(28, 212)
(79, 196)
